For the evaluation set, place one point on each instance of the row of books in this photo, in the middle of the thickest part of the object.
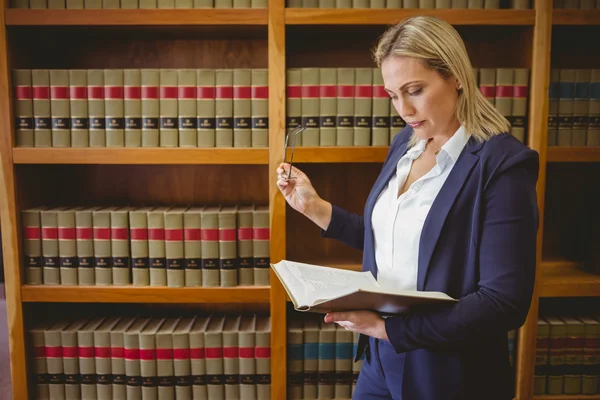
(141, 108)
(134, 4)
(157, 246)
(574, 107)
(214, 357)
(567, 356)
(581, 4)
(349, 106)
(473, 4)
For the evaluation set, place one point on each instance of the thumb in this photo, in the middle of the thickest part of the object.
(337, 316)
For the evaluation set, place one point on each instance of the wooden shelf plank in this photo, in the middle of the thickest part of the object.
(316, 16)
(139, 17)
(340, 154)
(575, 17)
(140, 156)
(573, 154)
(143, 294)
(568, 397)
(561, 278)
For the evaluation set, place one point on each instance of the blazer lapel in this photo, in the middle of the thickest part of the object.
(441, 207)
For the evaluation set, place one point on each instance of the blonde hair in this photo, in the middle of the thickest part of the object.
(441, 48)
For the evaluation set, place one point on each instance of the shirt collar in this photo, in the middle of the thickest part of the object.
(452, 148)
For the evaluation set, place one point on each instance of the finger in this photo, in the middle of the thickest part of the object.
(341, 316)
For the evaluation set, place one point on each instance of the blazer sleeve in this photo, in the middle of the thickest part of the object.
(506, 258)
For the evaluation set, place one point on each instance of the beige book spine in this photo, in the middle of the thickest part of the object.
(326, 3)
(197, 357)
(487, 83)
(342, 4)
(38, 4)
(259, 4)
(361, 4)
(393, 4)
(67, 247)
(362, 106)
(111, 4)
(148, 4)
(102, 358)
(245, 245)
(556, 356)
(85, 247)
(192, 246)
(174, 247)
(70, 358)
(587, 4)
(260, 108)
(210, 246)
(241, 3)
(168, 108)
(156, 246)
(213, 342)
(381, 111)
(263, 357)
(247, 358)
(184, 4)
(310, 365)
(117, 361)
(565, 107)
(54, 361)
(343, 363)
(228, 262)
(294, 4)
(23, 106)
(459, 3)
(19, 4)
(223, 3)
(165, 368)
(554, 92)
(427, 4)
(87, 360)
(182, 371)
(96, 108)
(242, 108)
(32, 246)
(224, 107)
(130, 4)
(204, 4)
(295, 359)
(326, 363)
(519, 103)
(148, 368)
(56, 4)
(131, 341)
(410, 3)
(581, 105)
(150, 107)
(310, 3)
(377, 3)
(132, 107)
(328, 106)
(113, 103)
(294, 101)
(345, 106)
(119, 237)
(59, 108)
(50, 262)
(521, 4)
(138, 231)
(187, 106)
(591, 353)
(310, 107)
(574, 354)
(443, 3)
(80, 133)
(593, 132)
(206, 107)
(40, 368)
(491, 4)
(261, 245)
(92, 4)
(102, 246)
(504, 92)
(231, 357)
(42, 133)
(166, 4)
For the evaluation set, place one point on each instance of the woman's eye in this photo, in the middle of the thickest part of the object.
(415, 92)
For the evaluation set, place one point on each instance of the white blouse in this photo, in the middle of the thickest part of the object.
(398, 221)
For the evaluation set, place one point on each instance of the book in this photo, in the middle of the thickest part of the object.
(321, 289)
(23, 105)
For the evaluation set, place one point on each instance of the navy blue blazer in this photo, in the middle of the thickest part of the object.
(478, 245)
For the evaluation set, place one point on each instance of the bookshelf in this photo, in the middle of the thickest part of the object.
(277, 38)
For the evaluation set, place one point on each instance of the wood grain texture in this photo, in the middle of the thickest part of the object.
(568, 397)
(316, 16)
(277, 95)
(563, 278)
(575, 17)
(573, 154)
(9, 222)
(25, 17)
(141, 294)
(216, 156)
(572, 49)
(537, 140)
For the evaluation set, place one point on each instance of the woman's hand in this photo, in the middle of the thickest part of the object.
(298, 191)
(365, 322)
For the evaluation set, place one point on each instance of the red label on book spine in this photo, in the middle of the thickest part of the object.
(504, 91)
(379, 92)
(230, 352)
(70, 352)
(102, 352)
(206, 92)
(138, 234)
(113, 92)
(31, 232)
(132, 354)
(210, 235)
(328, 91)
(488, 91)
(294, 92)
(364, 91)
(84, 233)
(102, 233)
(174, 235)
(260, 92)
(149, 92)
(117, 352)
(132, 92)
(23, 92)
(164, 354)
(147, 354)
(119, 233)
(86, 352)
(181, 354)
(224, 92)
(214, 352)
(345, 91)
(261, 233)
(49, 233)
(78, 92)
(66, 233)
(168, 92)
(227, 235)
(156, 234)
(310, 91)
(59, 92)
(197, 353)
(241, 92)
(41, 92)
(53, 351)
(247, 352)
(263, 352)
(192, 234)
(187, 92)
(520, 91)
(96, 92)
(245, 233)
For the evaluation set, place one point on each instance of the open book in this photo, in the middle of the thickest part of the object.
(321, 289)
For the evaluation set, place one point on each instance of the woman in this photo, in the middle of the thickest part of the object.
(453, 210)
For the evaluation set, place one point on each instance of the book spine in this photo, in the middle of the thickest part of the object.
(362, 107)
(119, 236)
(54, 362)
(168, 108)
(133, 372)
(574, 358)
(245, 248)
(138, 221)
(581, 102)
(381, 111)
(92, 4)
(80, 133)
(192, 248)
(198, 365)
(214, 365)
(593, 133)
(223, 3)
(59, 108)
(23, 107)
(42, 134)
(206, 107)
(345, 106)
(32, 246)
(40, 368)
(102, 358)
(117, 356)
(182, 367)
(263, 363)
(294, 101)
(130, 4)
(71, 364)
(242, 108)
(210, 250)
(96, 108)
(541, 359)
(187, 107)
(50, 261)
(487, 83)
(260, 108)
(326, 377)
(591, 358)
(556, 359)
(224, 107)
(111, 4)
(553, 94)
(261, 247)
(166, 4)
(504, 92)
(203, 4)
(259, 4)
(519, 103)
(87, 364)
(156, 248)
(132, 107)
(231, 365)
(343, 364)
(295, 361)
(184, 3)
(102, 248)
(228, 263)
(85, 247)
(19, 4)
(565, 106)
(150, 107)
(247, 365)
(328, 106)
(148, 4)
(164, 367)
(174, 248)
(310, 107)
(67, 247)
(148, 370)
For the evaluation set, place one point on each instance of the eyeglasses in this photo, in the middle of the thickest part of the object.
(294, 133)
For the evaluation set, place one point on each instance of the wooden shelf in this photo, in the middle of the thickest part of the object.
(568, 397)
(217, 156)
(561, 278)
(575, 17)
(143, 294)
(316, 16)
(573, 154)
(340, 154)
(137, 17)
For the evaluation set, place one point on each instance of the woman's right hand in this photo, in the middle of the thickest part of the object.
(298, 191)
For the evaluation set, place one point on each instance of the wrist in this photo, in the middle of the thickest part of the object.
(319, 212)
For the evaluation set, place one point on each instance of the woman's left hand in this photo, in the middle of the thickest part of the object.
(365, 322)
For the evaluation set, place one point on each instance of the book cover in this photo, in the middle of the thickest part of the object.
(165, 368)
(263, 357)
(504, 92)
(84, 228)
(59, 108)
(213, 342)
(326, 363)
(23, 105)
(231, 357)
(67, 247)
(344, 342)
(210, 246)
(541, 357)
(40, 367)
(310, 107)
(328, 106)
(198, 357)
(133, 374)
(50, 258)
(113, 103)
(54, 360)
(174, 246)
(119, 242)
(32, 245)
(519, 103)
(102, 246)
(247, 357)
(102, 358)
(294, 101)
(556, 355)
(117, 357)
(169, 136)
(261, 239)
(591, 356)
(156, 246)
(182, 371)
(487, 80)
(573, 355)
(138, 232)
(148, 368)
(78, 97)
(70, 356)
(295, 358)
(87, 360)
